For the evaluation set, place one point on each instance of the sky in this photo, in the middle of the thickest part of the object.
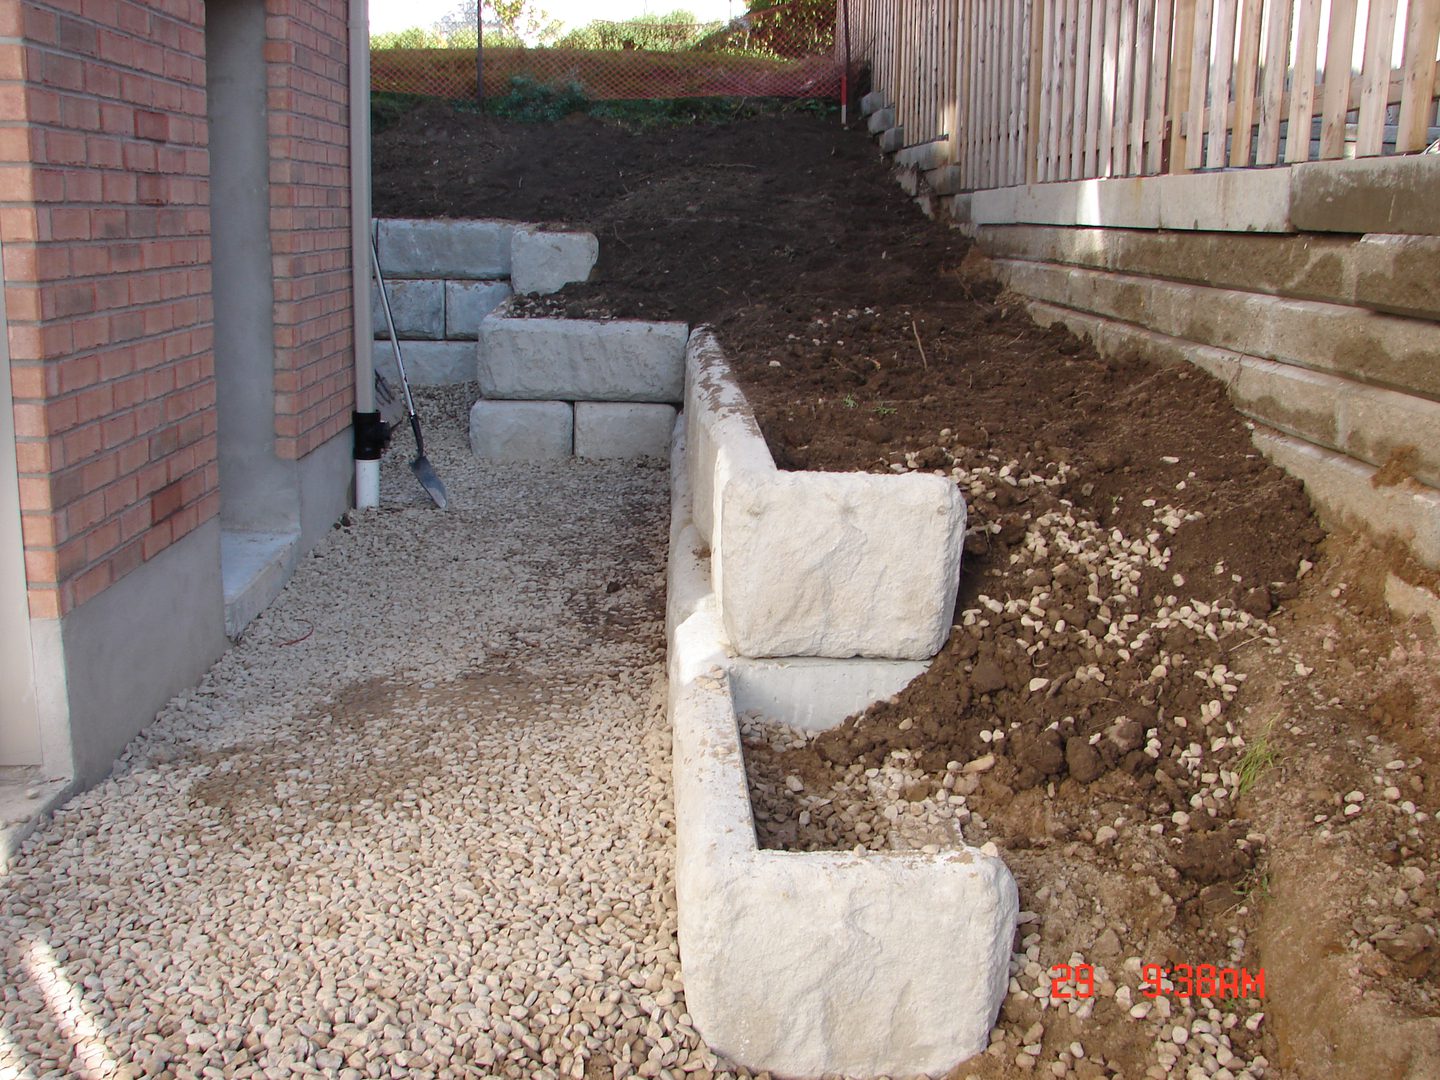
(402, 14)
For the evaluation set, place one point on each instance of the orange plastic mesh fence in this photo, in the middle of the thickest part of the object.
(763, 54)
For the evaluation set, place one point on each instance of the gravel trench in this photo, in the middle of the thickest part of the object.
(417, 823)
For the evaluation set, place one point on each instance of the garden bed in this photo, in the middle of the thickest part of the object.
(1130, 556)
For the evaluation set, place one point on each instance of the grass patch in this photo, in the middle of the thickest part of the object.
(1259, 756)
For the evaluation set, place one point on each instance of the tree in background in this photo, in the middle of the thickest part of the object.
(515, 22)
(796, 28)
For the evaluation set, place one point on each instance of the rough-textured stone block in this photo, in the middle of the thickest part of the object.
(581, 360)
(418, 307)
(812, 963)
(880, 120)
(468, 302)
(521, 430)
(605, 429)
(444, 249)
(428, 363)
(545, 262)
(815, 564)
(892, 139)
(872, 102)
(839, 564)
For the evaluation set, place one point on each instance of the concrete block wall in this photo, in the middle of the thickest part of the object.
(597, 389)
(444, 277)
(1326, 340)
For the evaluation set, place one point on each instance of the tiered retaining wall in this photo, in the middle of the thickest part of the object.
(1312, 292)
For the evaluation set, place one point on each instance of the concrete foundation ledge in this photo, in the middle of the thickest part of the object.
(810, 563)
(811, 963)
(580, 359)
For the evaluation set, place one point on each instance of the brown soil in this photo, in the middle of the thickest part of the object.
(1169, 704)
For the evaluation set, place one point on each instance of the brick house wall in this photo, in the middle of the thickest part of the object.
(310, 220)
(104, 220)
(105, 226)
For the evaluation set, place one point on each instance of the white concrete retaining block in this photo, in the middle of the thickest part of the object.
(418, 307)
(428, 363)
(545, 262)
(816, 564)
(444, 249)
(521, 430)
(810, 963)
(581, 360)
(468, 302)
(606, 429)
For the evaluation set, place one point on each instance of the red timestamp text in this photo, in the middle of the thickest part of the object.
(1201, 981)
(1071, 981)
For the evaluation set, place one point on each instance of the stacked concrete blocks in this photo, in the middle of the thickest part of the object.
(444, 277)
(622, 378)
(811, 963)
(815, 564)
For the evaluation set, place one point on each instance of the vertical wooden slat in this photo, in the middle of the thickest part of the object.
(1181, 74)
(1199, 70)
(1159, 87)
(1006, 72)
(1339, 61)
(973, 97)
(1071, 104)
(1094, 71)
(1272, 92)
(1124, 77)
(1039, 79)
(1222, 59)
(1043, 77)
(1108, 64)
(1422, 33)
(1302, 79)
(1246, 72)
(1144, 50)
(992, 92)
(1375, 79)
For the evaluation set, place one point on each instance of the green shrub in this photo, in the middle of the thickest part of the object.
(531, 101)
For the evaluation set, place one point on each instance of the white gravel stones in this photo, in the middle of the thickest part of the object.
(418, 823)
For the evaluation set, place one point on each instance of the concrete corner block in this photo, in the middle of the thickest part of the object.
(545, 262)
(428, 363)
(839, 564)
(418, 307)
(880, 120)
(434, 248)
(824, 962)
(815, 564)
(521, 430)
(892, 140)
(468, 302)
(872, 102)
(629, 429)
(581, 360)
(1370, 195)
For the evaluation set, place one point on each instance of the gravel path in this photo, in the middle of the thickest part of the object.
(417, 823)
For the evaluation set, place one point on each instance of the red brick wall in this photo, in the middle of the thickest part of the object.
(104, 218)
(308, 77)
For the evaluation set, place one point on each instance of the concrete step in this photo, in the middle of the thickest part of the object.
(254, 567)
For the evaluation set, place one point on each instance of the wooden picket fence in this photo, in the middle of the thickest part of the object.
(1026, 91)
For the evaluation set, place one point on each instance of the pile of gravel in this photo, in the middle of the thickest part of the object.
(417, 823)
